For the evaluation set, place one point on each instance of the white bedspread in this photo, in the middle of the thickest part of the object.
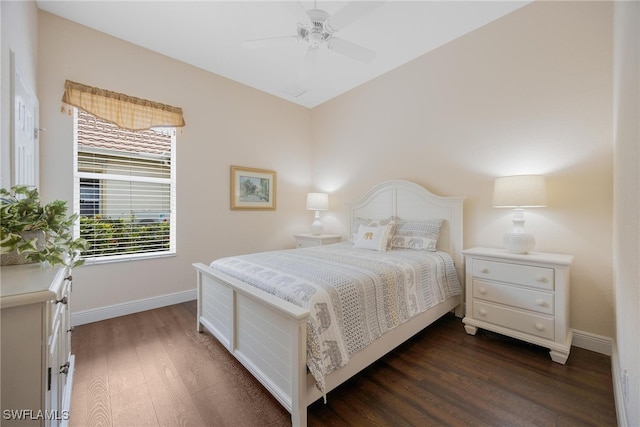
(353, 295)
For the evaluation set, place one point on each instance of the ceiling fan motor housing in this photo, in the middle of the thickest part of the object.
(318, 32)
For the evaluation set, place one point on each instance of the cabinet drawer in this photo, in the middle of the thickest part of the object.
(59, 306)
(529, 323)
(528, 299)
(307, 243)
(538, 277)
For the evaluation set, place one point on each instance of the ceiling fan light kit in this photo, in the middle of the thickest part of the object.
(316, 34)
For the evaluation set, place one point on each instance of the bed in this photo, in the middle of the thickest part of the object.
(269, 335)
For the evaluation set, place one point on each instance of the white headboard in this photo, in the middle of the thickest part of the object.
(410, 201)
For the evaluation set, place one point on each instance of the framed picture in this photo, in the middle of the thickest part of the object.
(252, 189)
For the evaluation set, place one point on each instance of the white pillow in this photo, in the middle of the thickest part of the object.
(374, 238)
(368, 222)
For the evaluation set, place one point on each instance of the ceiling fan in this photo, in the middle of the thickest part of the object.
(317, 29)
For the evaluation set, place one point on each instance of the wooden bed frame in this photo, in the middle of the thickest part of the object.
(268, 335)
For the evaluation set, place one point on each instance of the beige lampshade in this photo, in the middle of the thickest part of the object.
(520, 191)
(317, 201)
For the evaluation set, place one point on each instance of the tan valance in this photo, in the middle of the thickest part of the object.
(125, 111)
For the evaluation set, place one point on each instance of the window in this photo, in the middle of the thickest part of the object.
(124, 189)
(89, 197)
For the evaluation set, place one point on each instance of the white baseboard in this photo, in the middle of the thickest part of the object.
(618, 392)
(593, 342)
(586, 340)
(130, 307)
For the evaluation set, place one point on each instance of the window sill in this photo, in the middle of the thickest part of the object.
(127, 258)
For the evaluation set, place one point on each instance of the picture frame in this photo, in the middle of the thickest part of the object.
(253, 189)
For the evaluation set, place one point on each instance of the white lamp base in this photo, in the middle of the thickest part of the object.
(517, 240)
(316, 227)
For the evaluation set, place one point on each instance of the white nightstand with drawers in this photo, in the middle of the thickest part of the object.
(524, 296)
(37, 364)
(306, 240)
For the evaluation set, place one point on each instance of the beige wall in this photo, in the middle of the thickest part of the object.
(529, 93)
(227, 124)
(626, 130)
(18, 35)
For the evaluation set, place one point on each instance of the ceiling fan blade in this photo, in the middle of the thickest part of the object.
(270, 42)
(294, 90)
(308, 66)
(351, 12)
(352, 50)
(298, 11)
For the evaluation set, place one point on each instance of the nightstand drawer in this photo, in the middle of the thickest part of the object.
(61, 300)
(529, 323)
(307, 243)
(527, 275)
(528, 299)
(309, 240)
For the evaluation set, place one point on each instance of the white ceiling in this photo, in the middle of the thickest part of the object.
(209, 35)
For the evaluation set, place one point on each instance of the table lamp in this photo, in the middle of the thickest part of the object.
(317, 202)
(518, 192)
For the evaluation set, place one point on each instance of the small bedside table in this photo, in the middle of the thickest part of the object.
(307, 240)
(524, 296)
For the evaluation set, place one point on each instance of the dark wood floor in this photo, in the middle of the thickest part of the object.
(152, 368)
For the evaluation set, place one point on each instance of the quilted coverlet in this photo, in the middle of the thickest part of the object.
(353, 295)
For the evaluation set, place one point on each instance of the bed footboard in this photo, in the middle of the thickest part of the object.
(266, 334)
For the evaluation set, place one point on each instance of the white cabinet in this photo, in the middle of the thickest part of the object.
(37, 365)
(525, 296)
(307, 240)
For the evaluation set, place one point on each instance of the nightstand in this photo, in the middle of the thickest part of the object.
(37, 364)
(524, 296)
(307, 240)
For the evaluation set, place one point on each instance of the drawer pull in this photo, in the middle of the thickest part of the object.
(540, 278)
(540, 302)
(483, 312)
(540, 326)
(64, 369)
(484, 270)
(63, 300)
(483, 291)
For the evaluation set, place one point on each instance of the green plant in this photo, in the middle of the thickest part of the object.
(22, 211)
(118, 236)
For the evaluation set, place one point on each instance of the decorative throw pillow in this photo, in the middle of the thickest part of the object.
(368, 222)
(355, 226)
(376, 238)
(420, 235)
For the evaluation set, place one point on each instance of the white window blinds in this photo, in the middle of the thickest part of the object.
(124, 189)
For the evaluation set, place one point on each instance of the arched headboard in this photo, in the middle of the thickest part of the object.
(409, 201)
